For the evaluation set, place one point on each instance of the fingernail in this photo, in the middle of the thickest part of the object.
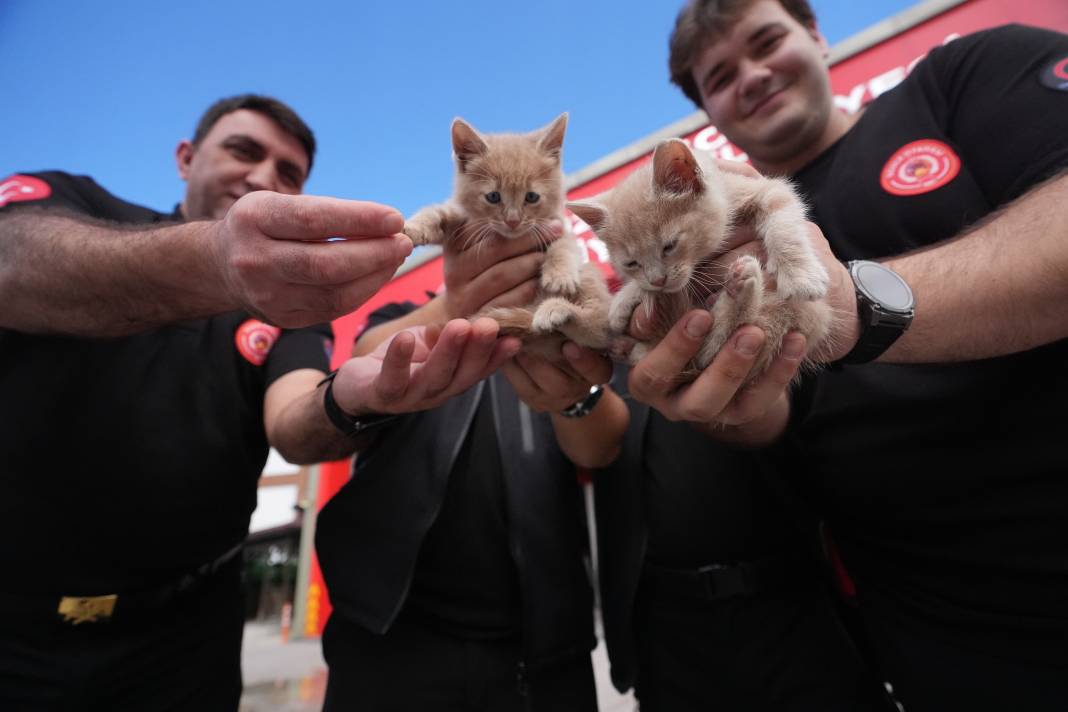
(406, 247)
(699, 325)
(747, 344)
(392, 223)
(793, 347)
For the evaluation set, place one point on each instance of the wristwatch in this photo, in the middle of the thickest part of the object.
(884, 306)
(584, 406)
(350, 425)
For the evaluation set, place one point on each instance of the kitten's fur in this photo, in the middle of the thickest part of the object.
(496, 177)
(665, 224)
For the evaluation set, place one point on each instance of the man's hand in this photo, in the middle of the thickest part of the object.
(493, 272)
(717, 397)
(547, 387)
(275, 261)
(421, 368)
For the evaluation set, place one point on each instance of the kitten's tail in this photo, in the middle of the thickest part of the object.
(514, 321)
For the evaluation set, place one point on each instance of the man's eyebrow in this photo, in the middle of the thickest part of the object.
(754, 38)
(290, 167)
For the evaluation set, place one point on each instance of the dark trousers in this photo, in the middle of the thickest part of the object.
(183, 657)
(413, 668)
(773, 651)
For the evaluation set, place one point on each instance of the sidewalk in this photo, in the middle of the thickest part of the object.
(291, 677)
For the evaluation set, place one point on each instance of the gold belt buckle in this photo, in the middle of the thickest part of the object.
(87, 609)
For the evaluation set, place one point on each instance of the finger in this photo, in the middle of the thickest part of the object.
(494, 249)
(311, 217)
(436, 373)
(755, 399)
(392, 381)
(303, 305)
(588, 364)
(708, 396)
(550, 379)
(476, 354)
(336, 263)
(522, 383)
(504, 276)
(656, 376)
(505, 349)
(516, 297)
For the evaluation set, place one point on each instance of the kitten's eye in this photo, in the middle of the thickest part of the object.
(532, 197)
(633, 264)
(493, 198)
(670, 246)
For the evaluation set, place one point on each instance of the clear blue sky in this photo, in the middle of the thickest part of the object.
(108, 88)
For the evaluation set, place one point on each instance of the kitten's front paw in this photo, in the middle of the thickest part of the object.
(551, 315)
(619, 317)
(559, 281)
(808, 282)
(744, 275)
(419, 235)
(638, 352)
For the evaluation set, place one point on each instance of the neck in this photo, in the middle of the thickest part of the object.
(838, 125)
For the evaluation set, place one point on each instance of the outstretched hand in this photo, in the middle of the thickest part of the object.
(422, 367)
(548, 387)
(275, 260)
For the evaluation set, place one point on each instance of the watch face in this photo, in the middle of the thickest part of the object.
(883, 286)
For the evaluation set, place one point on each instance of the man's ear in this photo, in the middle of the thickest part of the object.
(183, 156)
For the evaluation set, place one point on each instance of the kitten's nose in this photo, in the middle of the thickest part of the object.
(512, 222)
(659, 281)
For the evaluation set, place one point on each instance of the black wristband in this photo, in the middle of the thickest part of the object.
(350, 425)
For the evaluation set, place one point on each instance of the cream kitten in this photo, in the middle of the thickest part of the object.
(509, 185)
(666, 223)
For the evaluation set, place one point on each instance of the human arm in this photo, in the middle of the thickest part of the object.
(416, 370)
(593, 440)
(65, 275)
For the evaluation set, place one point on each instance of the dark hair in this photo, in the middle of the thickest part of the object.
(270, 107)
(701, 21)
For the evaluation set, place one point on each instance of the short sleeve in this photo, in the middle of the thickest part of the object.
(295, 349)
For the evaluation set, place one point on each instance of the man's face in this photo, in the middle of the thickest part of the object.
(765, 85)
(244, 151)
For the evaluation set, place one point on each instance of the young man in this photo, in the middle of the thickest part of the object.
(141, 391)
(938, 466)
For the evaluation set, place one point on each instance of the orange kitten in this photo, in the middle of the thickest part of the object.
(508, 185)
(667, 222)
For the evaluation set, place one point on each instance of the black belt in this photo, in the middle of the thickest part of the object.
(720, 581)
(75, 610)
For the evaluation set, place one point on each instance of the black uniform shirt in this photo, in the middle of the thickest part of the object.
(946, 484)
(128, 461)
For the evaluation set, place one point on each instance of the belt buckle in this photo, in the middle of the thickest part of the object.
(87, 609)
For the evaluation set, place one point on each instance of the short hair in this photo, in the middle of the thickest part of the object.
(702, 20)
(272, 108)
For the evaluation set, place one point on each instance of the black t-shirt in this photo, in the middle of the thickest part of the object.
(707, 503)
(466, 582)
(128, 461)
(945, 485)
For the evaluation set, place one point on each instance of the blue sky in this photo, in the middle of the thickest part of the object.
(108, 88)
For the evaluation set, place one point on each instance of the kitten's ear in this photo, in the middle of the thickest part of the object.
(551, 140)
(675, 169)
(466, 143)
(593, 214)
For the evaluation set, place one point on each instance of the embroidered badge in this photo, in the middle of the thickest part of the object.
(919, 167)
(254, 340)
(1055, 76)
(16, 188)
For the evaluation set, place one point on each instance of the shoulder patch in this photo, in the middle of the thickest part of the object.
(919, 167)
(254, 340)
(1055, 75)
(17, 188)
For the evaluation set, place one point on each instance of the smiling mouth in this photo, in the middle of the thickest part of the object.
(763, 102)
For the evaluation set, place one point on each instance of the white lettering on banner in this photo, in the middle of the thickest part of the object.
(874, 87)
(597, 247)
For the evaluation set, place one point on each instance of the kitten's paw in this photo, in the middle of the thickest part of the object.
(744, 276)
(551, 315)
(808, 282)
(638, 352)
(560, 281)
(419, 234)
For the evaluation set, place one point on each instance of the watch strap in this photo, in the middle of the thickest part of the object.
(350, 425)
(584, 406)
(879, 328)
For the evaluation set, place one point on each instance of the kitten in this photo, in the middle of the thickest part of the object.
(508, 185)
(666, 223)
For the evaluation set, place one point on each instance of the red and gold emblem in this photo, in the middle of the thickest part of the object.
(919, 167)
(254, 340)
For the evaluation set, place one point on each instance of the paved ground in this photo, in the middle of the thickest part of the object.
(291, 677)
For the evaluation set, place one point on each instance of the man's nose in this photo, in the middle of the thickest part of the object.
(754, 78)
(262, 176)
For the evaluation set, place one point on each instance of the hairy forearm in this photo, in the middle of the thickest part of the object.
(596, 439)
(61, 275)
(302, 433)
(1001, 288)
(433, 312)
